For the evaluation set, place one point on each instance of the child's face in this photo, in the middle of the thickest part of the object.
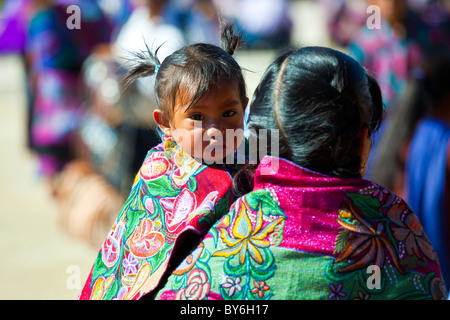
(213, 127)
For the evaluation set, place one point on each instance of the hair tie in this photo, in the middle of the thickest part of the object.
(156, 70)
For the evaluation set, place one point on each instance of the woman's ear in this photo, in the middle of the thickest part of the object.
(163, 122)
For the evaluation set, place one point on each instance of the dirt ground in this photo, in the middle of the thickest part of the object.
(38, 259)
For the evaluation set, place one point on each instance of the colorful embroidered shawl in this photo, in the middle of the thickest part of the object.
(303, 235)
(173, 200)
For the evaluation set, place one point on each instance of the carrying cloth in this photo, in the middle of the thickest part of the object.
(303, 235)
(173, 202)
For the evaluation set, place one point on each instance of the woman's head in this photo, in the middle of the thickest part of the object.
(325, 106)
(187, 84)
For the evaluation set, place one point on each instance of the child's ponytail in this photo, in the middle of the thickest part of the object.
(196, 68)
(230, 39)
(145, 63)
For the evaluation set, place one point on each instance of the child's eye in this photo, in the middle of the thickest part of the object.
(196, 117)
(229, 113)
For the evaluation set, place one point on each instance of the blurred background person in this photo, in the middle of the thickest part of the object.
(413, 159)
(344, 19)
(402, 41)
(13, 24)
(55, 55)
(391, 50)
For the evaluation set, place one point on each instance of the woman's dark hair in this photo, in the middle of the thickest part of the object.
(428, 84)
(318, 99)
(195, 69)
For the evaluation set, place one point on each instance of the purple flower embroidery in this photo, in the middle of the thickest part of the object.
(336, 292)
(233, 285)
(130, 265)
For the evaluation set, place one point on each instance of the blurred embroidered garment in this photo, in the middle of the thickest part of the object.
(56, 54)
(173, 197)
(426, 185)
(303, 235)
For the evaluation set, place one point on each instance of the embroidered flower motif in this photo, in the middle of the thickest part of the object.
(130, 265)
(178, 210)
(233, 285)
(336, 292)
(368, 245)
(362, 296)
(260, 288)
(247, 237)
(410, 232)
(186, 166)
(154, 166)
(197, 288)
(111, 247)
(149, 205)
(145, 242)
(378, 192)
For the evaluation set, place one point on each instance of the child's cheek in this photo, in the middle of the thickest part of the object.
(190, 141)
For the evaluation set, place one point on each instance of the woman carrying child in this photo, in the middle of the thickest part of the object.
(183, 186)
(311, 227)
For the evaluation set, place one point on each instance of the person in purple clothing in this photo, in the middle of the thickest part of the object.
(392, 50)
(55, 54)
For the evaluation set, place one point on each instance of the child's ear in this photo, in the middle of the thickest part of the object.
(162, 121)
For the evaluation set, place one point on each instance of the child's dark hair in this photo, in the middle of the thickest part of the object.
(318, 99)
(195, 69)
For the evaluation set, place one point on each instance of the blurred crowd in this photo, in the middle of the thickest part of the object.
(90, 136)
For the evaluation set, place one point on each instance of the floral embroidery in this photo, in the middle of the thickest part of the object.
(247, 238)
(130, 265)
(154, 166)
(256, 244)
(362, 295)
(409, 231)
(112, 245)
(233, 285)
(336, 292)
(145, 242)
(163, 202)
(178, 210)
(197, 288)
(368, 245)
(260, 288)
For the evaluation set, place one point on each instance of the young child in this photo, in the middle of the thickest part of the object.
(183, 186)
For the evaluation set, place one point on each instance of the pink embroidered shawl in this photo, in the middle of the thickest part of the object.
(303, 235)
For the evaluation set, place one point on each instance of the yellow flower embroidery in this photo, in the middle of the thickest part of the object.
(246, 237)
